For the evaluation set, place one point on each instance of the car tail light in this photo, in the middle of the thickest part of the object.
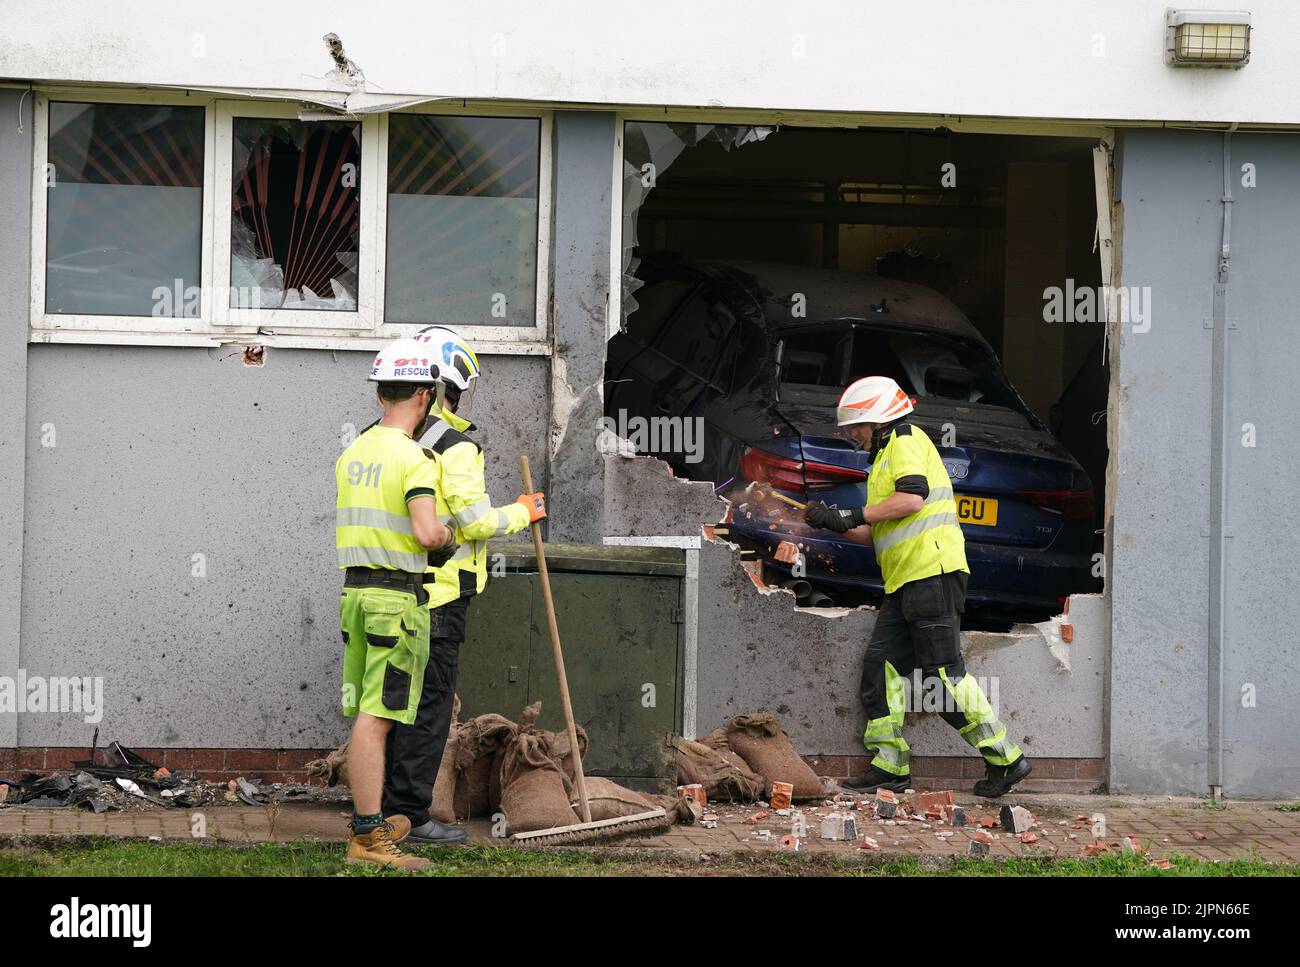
(1068, 504)
(799, 476)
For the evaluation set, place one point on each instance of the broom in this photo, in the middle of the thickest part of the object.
(639, 824)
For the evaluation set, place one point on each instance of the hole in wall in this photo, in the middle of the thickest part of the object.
(764, 270)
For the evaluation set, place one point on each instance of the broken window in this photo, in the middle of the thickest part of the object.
(295, 214)
(125, 208)
(462, 220)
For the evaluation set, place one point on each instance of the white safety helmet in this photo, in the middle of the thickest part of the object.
(872, 399)
(405, 361)
(457, 362)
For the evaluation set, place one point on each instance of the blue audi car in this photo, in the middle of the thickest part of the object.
(758, 355)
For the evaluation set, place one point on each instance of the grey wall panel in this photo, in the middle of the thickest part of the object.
(1172, 182)
(1261, 748)
(15, 273)
(166, 453)
(580, 253)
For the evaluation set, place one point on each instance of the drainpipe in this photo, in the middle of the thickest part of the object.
(1218, 486)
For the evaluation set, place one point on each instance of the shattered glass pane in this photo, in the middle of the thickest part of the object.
(462, 220)
(649, 148)
(124, 222)
(295, 214)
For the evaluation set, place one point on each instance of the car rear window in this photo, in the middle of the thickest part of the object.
(924, 364)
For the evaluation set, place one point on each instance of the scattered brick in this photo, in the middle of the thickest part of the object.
(782, 793)
(694, 791)
(933, 800)
(1028, 837)
(1016, 819)
(839, 826)
(1198, 834)
(1133, 845)
(1162, 864)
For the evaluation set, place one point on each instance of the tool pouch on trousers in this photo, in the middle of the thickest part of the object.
(389, 625)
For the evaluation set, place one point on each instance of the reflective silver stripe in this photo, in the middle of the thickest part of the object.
(982, 731)
(503, 522)
(899, 758)
(939, 493)
(382, 557)
(882, 730)
(896, 537)
(463, 551)
(434, 433)
(473, 512)
(369, 517)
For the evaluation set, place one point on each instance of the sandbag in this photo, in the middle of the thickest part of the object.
(759, 739)
(722, 773)
(494, 779)
(609, 800)
(443, 807)
(333, 769)
(479, 751)
(556, 742)
(535, 792)
(562, 753)
(717, 739)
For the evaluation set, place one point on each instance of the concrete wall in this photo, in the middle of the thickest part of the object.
(1170, 184)
(1006, 58)
(15, 256)
(580, 246)
(163, 454)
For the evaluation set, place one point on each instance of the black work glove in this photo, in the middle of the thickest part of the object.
(443, 554)
(831, 519)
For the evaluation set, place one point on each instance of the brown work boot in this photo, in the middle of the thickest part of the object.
(379, 846)
(401, 827)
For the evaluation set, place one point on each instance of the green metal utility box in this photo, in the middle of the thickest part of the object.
(619, 611)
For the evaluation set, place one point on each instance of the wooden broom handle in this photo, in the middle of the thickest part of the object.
(569, 725)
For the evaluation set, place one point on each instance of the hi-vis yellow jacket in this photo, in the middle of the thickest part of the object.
(463, 505)
(930, 541)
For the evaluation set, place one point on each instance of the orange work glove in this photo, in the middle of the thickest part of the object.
(536, 504)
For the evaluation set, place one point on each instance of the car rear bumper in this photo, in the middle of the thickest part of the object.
(1029, 583)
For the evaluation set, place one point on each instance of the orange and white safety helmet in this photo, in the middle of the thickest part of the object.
(872, 399)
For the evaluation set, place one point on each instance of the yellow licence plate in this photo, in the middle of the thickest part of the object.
(977, 510)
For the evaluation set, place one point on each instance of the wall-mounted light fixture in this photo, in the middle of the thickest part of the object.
(1207, 38)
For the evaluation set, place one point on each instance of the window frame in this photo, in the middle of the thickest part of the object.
(218, 323)
(66, 322)
(224, 316)
(537, 332)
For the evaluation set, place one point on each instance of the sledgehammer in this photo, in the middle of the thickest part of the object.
(760, 494)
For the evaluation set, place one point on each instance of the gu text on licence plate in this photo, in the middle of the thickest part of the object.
(977, 510)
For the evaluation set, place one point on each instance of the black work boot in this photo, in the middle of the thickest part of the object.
(434, 833)
(876, 778)
(998, 779)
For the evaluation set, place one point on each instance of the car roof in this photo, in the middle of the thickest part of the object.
(838, 294)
